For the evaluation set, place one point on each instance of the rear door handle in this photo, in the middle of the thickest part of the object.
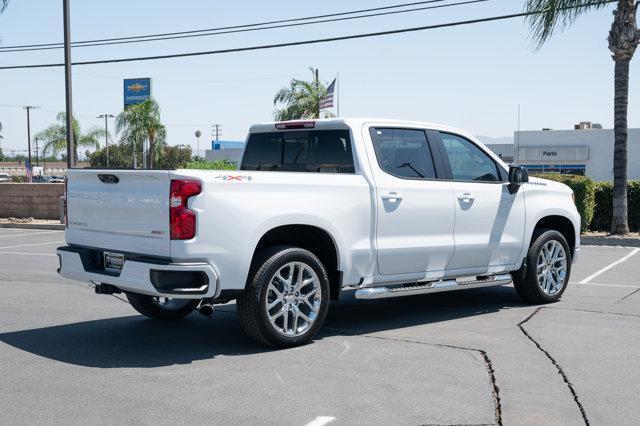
(466, 197)
(392, 197)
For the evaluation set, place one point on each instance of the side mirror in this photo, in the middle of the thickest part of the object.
(518, 175)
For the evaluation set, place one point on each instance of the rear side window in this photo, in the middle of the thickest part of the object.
(404, 153)
(319, 151)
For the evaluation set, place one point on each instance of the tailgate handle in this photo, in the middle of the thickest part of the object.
(108, 178)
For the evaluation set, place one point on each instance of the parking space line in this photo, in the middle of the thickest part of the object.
(608, 267)
(33, 233)
(606, 285)
(321, 420)
(29, 245)
(27, 254)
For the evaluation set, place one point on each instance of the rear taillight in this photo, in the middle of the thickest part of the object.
(66, 216)
(182, 220)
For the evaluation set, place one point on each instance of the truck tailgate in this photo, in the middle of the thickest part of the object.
(119, 210)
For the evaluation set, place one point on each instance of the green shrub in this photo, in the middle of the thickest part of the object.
(121, 157)
(584, 189)
(633, 194)
(604, 208)
(212, 165)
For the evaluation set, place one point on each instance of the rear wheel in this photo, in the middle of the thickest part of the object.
(286, 299)
(162, 307)
(548, 268)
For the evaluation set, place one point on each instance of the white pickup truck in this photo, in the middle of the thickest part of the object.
(386, 208)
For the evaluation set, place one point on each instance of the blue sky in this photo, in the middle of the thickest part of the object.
(472, 77)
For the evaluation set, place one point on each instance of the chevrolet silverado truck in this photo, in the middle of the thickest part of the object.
(380, 207)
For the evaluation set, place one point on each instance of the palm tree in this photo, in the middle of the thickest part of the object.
(3, 5)
(301, 99)
(624, 38)
(55, 137)
(141, 122)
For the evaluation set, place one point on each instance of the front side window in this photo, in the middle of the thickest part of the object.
(403, 153)
(468, 162)
(320, 151)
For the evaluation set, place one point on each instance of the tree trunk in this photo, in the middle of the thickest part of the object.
(623, 41)
(619, 221)
(152, 144)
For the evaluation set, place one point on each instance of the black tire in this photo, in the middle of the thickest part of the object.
(146, 306)
(251, 304)
(526, 281)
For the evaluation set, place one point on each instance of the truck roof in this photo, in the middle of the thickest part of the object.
(352, 122)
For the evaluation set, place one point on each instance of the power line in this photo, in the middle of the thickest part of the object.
(289, 44)
(274, 46)
(202, 33)
(231, 27)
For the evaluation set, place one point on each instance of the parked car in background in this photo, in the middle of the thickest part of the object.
(56, 179)
(41, 179)
(4, 177)
(386, 208)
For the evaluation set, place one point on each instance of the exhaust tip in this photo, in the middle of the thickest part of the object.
(206, 309)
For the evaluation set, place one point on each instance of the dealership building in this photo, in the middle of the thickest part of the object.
(585, 150)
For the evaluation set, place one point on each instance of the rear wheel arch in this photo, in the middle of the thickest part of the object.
(315, 239)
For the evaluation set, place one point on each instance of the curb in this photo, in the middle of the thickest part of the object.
(609, 241)
(45, 226)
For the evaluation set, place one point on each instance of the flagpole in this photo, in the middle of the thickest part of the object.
(338, 93)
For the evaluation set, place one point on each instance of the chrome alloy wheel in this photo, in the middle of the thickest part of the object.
(169, 303)
(293, 299)
(551, 268)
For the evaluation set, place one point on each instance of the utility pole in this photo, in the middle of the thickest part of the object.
(217, 131)
(106, 132)
(71, 161)
(37, 151)
(28, 108)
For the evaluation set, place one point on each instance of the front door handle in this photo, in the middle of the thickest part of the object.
(466, 197)
(392, 197)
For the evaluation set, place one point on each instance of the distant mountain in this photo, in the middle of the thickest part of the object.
(489, 140)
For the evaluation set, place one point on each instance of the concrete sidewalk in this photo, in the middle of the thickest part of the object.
(32, 224)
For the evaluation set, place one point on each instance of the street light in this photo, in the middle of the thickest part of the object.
(198, 134)
(106, 132)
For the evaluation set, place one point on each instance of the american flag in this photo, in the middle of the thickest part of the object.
(327, 101)
(27, 166)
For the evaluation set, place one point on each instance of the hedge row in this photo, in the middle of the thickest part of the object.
(594, 201)
(603, 210)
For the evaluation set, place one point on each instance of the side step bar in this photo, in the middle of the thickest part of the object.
(432, 287)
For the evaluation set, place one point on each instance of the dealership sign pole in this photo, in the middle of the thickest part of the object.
(67, 80)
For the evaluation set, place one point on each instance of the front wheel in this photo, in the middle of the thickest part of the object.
(286, 299)
(548, 268)
(162, 307)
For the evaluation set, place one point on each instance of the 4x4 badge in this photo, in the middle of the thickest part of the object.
(234, 177)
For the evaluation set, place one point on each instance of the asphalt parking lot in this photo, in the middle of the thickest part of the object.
(68, 356)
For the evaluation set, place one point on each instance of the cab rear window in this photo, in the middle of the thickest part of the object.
(316, 151)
